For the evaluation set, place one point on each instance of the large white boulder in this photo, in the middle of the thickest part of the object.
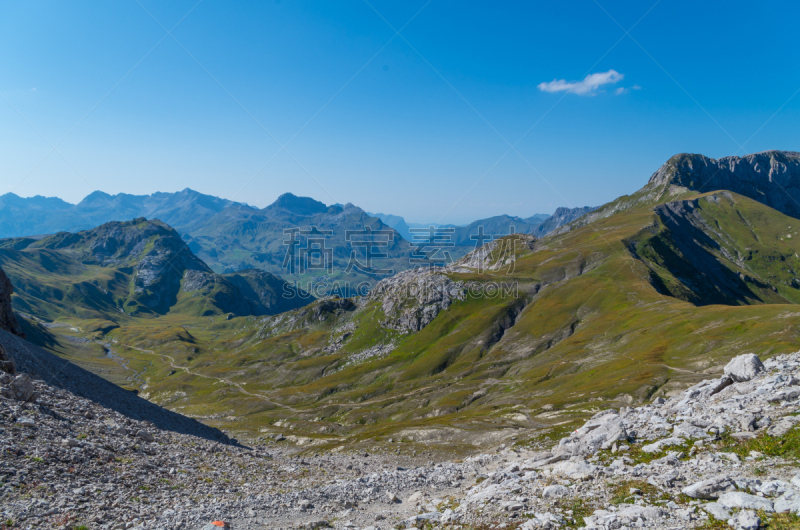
(744, 367)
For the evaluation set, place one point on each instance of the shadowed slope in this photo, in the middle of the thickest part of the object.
(57, 372)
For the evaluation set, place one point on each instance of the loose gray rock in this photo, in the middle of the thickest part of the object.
(720, 512)
(745, 501)
(744, 367)
(555, 492)
(745, 520)
(146, 436)
(710, 488)
(20, 388)
(788, 502)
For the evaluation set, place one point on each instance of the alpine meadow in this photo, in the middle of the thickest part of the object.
(205, 323)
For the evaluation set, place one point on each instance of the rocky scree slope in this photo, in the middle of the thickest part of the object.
(673, 464)
(34, 362)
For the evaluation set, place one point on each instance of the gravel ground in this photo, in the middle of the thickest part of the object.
(69, 462)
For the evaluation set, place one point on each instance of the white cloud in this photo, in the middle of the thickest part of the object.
(624, 90)
(588, 86)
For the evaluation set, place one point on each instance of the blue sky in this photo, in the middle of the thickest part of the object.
(474, 109)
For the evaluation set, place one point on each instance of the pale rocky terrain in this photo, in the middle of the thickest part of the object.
(69, 462)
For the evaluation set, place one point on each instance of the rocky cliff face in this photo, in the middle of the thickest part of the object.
(412, 299)
(771, 177)
(7, 320)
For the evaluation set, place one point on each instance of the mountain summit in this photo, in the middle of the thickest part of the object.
(770, 177)
(298, 205)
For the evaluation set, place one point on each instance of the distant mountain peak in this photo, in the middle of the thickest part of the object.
(299, 205)
(95, 195)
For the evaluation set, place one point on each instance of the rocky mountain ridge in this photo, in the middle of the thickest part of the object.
(231, 236)
(770, 177)
(562, 216)
(186, 209)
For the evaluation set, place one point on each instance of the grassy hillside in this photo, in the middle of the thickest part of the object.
(633, 305)
(133, 269)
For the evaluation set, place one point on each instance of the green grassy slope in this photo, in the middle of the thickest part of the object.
(125, 270)
(610, 313)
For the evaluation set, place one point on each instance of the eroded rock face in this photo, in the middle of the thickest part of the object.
(7, 320)
(412, 299)
(771, 177)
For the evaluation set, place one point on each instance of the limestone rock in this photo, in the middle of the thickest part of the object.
(20, 388)
(554, 492)
(146, 436)
(717, 510)
(744, 367)
(745, 501)
(745, 520)
(710, 488)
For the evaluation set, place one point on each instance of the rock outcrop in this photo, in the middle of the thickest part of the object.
(770, 177)
(7, 320)
(744, 367)
(411, 299)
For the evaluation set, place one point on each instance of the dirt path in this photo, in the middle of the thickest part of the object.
(189, 371)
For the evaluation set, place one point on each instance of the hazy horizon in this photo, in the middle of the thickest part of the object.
(435, 111)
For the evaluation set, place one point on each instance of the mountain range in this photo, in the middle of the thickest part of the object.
(636, 299)
(230, 236)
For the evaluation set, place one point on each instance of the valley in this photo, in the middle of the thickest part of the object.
(499, 384)
(499, 343)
